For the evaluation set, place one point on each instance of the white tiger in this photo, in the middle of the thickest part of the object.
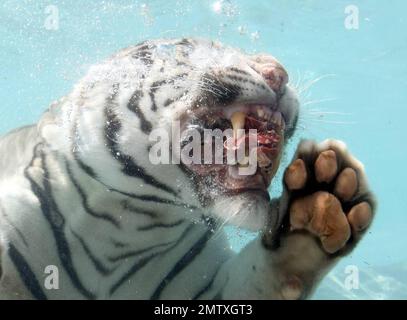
(78, 190)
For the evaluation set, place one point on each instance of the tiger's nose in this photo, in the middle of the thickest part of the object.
(272, 72)
(275, 76)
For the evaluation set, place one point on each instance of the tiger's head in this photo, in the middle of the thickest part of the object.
(133, 119)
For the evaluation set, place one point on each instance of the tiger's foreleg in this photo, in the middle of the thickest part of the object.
(290, 271)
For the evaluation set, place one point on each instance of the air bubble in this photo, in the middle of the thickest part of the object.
(225, 7)
(254, 36)
(217, 7)
(242, 30)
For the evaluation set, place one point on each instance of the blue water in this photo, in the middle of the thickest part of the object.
(361, 95)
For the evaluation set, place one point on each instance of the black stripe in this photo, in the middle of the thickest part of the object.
(219, 295)
(192, 253)
(141, 263)
(210, 222)
(84, 199)
(208, 285)
(244, 80)
(157, 84)
(102, 269)
(88, 170)
(133, 105)
(26, 273)
(131, 208)
(151, 198)
(154, 87)
(240, 71)
(118, 244)
(172, 100)
(160, 225)
(185, 42)
(129, 167)
(143, 46)
(138, 252)
(182, 63)
(56, 221)
(146, 198)
(143, 55)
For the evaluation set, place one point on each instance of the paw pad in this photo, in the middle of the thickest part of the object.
(328, 195)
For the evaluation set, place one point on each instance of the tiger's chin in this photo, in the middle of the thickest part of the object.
(246, 209)
(240, 201)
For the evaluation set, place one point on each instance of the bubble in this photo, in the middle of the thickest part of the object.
(225, 7)
(254, 36)
(242, 30)
(217, 7)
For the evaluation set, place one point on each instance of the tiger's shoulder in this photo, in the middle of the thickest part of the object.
(16, 150)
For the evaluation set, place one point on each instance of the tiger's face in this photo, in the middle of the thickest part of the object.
(199, 85)
(232, 91)
(241, 93)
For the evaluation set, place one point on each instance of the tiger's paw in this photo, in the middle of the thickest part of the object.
(326, 194)
(326, 207)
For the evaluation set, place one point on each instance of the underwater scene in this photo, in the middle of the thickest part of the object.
(336, 70)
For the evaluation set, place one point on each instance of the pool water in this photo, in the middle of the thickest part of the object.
(351, 74)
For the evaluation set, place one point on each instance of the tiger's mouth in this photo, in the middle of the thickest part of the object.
(258, 126)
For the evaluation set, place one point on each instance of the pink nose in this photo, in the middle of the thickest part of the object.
(272, 71)
(275, 76)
